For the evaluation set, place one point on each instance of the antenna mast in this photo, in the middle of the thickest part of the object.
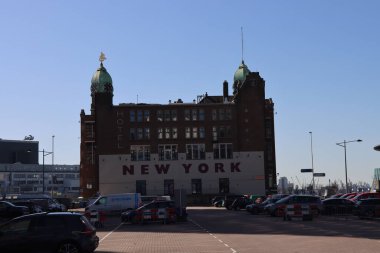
(242, 45)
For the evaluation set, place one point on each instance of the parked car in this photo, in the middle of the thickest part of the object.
(367, 208)
(337, 206)
(164, 211)
(274, 198)
(314, 203)
(217, 199)
(228, 199)
(366, 195)
(336, 195)
(240, 203)
(33, 208)
(348, 195)
(256, 208)
(219, 203)
(60, 232)
(9, 210)
(49, 205)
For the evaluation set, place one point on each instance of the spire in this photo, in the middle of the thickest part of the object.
(242, 46)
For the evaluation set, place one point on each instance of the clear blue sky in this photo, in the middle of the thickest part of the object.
(320, 60)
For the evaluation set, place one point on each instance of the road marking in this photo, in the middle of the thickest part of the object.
(233, 250)
(110, 232)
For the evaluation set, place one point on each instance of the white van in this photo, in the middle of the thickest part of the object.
(115, 203)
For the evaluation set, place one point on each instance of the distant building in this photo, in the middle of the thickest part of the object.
(217, 144)
(283, 185)
(20, 172)
(17, 151)
(376, 180)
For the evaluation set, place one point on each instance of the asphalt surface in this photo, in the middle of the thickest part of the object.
(212, 230)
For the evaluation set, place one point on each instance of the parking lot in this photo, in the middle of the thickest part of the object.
(210, 229)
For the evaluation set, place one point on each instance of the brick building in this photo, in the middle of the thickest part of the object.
(215, 144)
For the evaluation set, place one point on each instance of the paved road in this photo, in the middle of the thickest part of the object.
(218, 230)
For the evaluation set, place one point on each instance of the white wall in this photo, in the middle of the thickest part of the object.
(249, 180)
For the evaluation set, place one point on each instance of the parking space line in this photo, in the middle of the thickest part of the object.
(111, 232)
(196, 224)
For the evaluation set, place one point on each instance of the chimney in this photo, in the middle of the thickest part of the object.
(225, 91)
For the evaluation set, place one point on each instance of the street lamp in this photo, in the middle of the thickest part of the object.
(312, 157)
(344, 144)
(44, 153)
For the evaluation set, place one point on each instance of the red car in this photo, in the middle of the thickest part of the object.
(366, 195)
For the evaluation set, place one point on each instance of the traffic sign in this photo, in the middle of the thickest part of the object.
(319, 174)
(306, 170)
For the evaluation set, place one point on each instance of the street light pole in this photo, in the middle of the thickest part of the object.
(44, 153)
(344, 145)
(312, 157)
(52, 150)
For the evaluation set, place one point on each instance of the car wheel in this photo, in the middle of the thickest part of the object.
(68, 247)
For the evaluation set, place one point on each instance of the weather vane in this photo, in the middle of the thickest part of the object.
(102, 57)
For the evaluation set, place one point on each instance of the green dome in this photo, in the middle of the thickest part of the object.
(101, 81)
(241, 73)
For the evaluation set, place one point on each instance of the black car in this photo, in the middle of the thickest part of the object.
(9, 210)
(218, 199)
(256, 208)
(229, 199)
(337, 206)
(59, 232)
(240, 203)
(367, 208)
(33, 208)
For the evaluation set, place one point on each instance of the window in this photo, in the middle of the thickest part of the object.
(132, 134)
(196, 186)
(268, 129)
(174, 115)
(141, 187)
(195, 132)
(174, 133)
(228, 114)
(160, 133)
(194, 114)
(169, 187)
(201, 114)
(222, 114)
(132, 116)
(146, 133)
(222, 150)
(167, 133)
(167, 115)
(214, 114)
(159, 116)
(214, 133)
(224, 185)
(187, 115)
(139, 116)
(221, 132)
(89, 129)
(167, 152)
(187, 133)
(140, 133)
(195, 152)
(202, 132)
(146, 115)
(140, 153)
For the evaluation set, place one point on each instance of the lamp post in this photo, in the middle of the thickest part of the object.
(344, 145)
(312, 158)
(44, 153)
(52, 150)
